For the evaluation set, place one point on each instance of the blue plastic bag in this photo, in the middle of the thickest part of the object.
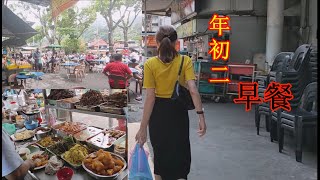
(139, 168)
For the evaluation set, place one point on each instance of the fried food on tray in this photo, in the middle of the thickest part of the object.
(70, 128)
(48, 141)
(76, 154)
(40, 160)
(103, 163)
(116, 133)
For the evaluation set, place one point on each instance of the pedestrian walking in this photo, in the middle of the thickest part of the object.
(168, 119)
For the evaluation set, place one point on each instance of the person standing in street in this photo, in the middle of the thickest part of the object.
(37, 60)
(167, 119)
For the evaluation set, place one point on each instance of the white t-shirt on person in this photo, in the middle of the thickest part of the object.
(10, 158)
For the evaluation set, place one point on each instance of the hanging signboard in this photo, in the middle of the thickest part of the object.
(187, 29)
(180, 9)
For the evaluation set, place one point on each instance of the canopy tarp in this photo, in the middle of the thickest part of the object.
(12, 23)
(54, 46)
(156, 7)
(14, 42)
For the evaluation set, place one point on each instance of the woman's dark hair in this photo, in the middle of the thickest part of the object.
(166, 37)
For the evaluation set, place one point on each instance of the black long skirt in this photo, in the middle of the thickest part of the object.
(169, 135)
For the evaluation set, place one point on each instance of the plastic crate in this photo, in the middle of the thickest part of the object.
(206, 87)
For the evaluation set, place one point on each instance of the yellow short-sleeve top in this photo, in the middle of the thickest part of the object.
(162, 76)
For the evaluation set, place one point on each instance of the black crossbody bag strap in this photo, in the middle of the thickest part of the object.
(180, 69)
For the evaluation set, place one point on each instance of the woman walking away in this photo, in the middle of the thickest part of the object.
(168, 119)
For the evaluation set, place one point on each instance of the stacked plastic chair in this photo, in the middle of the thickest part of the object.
(296, 121)
(298, 75)
(314, 65)
(280, 62)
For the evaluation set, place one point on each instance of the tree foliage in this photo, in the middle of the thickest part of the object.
(73, 22)
(107, 9)
(133, 9)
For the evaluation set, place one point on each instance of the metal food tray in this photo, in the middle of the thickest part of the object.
(42, 147)
(86, 108)
(97, 176)
(82, 141)
(112, 110)
(58, 155)
(103, 148)
(75, 166)
(68, 103)
(62, 133)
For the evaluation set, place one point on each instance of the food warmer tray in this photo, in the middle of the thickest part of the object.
(42, 147)
(99, 136)
(109, 109)
(68, 103)
(62, 133)
(92, 132)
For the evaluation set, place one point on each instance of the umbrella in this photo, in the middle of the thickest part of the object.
(54, 46)
(14, 26)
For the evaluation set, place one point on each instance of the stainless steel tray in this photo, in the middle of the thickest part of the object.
(91, 144)
(42, 147)
(86, 108)
(75, 166)
(61, 133)
(109, 109)
(68, 103)
(99, 130)
(97, 176)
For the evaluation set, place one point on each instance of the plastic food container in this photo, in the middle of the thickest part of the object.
(42, 132)
(31, 126)
(65, 173)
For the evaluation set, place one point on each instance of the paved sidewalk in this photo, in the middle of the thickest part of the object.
(232, 150)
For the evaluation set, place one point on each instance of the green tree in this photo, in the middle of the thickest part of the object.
(73, 22)
(107, 9)
(130, 15)
(71, 45)
(38, 37)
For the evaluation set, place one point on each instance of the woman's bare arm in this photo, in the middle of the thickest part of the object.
(148, 107)
(141, 136)
(195, 95)
(198, 106)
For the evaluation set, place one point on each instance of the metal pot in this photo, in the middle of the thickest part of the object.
(45, 132)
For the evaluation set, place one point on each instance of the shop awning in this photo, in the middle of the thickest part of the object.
(12, 23)
(156, 7)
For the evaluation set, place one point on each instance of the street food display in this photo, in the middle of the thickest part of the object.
(106, 139)
(91, 98)
(40, 160)
(87, 133)
(103, 163)
(55, 143)
(56, 94)
(48, 141)
(75, 155)
(69, 127)
(26, 134)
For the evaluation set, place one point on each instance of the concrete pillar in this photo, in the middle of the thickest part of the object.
(274, 29)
